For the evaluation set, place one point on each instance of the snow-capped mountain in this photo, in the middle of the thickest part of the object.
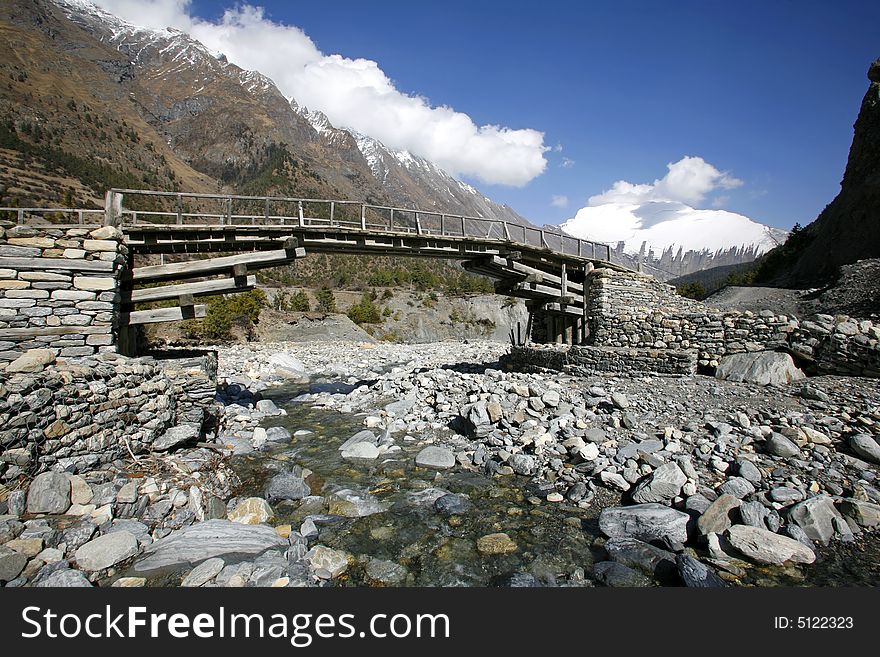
(220, 118)
(672, 238)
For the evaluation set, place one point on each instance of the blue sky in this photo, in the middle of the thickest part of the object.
(767, 91)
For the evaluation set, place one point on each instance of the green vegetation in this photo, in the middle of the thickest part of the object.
(365, 311)
(296, 302)
(692, 290)
(326, 301)
(224, 313)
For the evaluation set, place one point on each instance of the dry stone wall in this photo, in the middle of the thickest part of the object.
(84, 412)
(59, 289)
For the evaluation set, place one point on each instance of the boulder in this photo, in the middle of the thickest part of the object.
(779, 445)
(11, 563)
(105, 551)
(192, 545)
(865, 514)
(816, 517)
(661, 485)
(717, 518)
(362, 450)
(326, 562)
(646, 522)
(436, 457)
(766, 547)
(64, 578)
(866, 447)
(696, 574)
(182, 433)
(251, 511)
(613, 574)
(286, 486)
(33, 360)
(365, 436)
(203, 573)
(763, 367)
(49, 493)
(654, 562)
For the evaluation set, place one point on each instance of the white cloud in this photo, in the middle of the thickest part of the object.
(660, 215)
(687, 181)
(353, 93)
(567, 163)
(559, 201)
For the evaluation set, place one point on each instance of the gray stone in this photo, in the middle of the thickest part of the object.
(816, 517)
(362, 450)
(268, 407)
(327, 562)
(49, 493)
(763, 368)
(785, 495)
(865, 514)
(203, 573)
(385, 573)
(738, 487)
(11, 563)
(286, 486)
(33, 360)
(696, 574)
(865, 446)
(452, 504)
(661, 485)
(613, 574)
(766, 547)
(354, 504)
(400, 408)
(64, 578)
(523, 464)
(202, 541)
(436, 457)
(748, 470)
(717, 518)
(365, 436)
(17, 502)
(277, 435)
(179, 435)
(633, 553)
(779, 445)
(106, 551)
(595, 435)
(647, 522)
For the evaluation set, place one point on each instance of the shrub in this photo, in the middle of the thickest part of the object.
(692, 290)
(326, 300)
(365, 311)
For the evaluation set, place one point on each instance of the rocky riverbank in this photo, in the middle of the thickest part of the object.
(389, 464)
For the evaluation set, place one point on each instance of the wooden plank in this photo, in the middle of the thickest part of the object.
(198, 268)
(72, 264)
(547, 277)
(164, 315)
(201, 288)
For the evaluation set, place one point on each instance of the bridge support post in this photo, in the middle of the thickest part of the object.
(112, 209)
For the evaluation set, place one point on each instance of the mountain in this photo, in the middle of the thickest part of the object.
(671, 238)
(848, 229)
(93, 101)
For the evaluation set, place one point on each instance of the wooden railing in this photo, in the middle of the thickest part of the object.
(181, 208)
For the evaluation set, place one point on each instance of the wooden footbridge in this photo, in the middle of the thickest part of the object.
(545, 267)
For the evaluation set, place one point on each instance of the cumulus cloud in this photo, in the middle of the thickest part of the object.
(559, 201)
(687, 181)
(353, 93)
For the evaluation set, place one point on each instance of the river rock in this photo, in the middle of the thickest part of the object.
(499, 543)
(816, 516)
(277, 435)
(523, 464)
(696, 574)
(866, 447)
(203, 573)
(764, 368)
(49, 493)
(400, 408)
(766, 547)
(362, 450)
(439, 458)
(452, 504)
(64, 578)
(354, 504)
(717, 518)
(365, 436)
(286, 486)
(192, 545)
(175, 436)
(779, 445)
(865, 514)
(106, 551)
(613, 574)
(633, 553)
(661, 485)
(647, 522)
(11, 563)
(251, 511)
(327, 561)
(385, 573)
(738, 487)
